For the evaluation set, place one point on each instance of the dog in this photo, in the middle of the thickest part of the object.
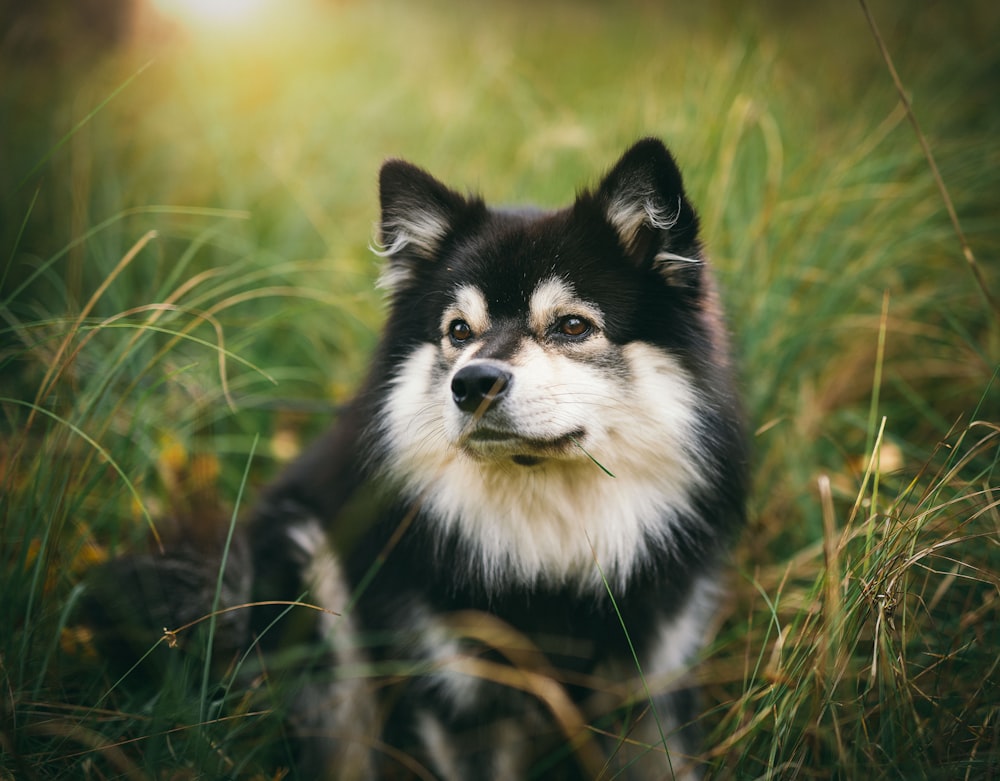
(516, 529)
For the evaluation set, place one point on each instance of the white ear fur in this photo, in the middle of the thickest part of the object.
(629, 215)
(630, 212)
(419, 231)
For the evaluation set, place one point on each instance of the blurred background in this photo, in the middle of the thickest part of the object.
(188, 195)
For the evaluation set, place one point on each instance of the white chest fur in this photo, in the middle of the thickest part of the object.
(565, 520)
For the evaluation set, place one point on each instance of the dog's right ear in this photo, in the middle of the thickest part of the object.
(418, 215)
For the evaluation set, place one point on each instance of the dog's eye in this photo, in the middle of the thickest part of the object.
(459, 331)
(573, 326)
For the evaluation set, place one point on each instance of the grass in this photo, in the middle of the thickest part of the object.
(184, 225)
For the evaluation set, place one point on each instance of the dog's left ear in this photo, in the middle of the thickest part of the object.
(643, 199)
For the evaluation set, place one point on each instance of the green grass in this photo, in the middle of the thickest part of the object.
(184, 225)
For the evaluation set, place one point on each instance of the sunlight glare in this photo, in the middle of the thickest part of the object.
(214, 13)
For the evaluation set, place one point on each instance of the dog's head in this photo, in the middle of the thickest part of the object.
(522, 319)
(522, 341)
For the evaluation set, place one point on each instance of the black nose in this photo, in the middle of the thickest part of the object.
(479, 385)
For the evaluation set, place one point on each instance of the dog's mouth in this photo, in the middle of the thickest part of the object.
(484, 442)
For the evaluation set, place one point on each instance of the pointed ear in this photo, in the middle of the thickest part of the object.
(643, 199)
(418, 214)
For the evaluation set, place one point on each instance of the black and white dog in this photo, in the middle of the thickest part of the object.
(518, 524)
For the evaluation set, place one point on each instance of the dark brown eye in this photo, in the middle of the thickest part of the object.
(459, 331)
(573, 326)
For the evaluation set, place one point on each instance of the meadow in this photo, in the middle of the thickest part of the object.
(187, 296)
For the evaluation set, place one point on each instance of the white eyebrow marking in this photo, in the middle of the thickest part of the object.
(469, 305)
(555, 298)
